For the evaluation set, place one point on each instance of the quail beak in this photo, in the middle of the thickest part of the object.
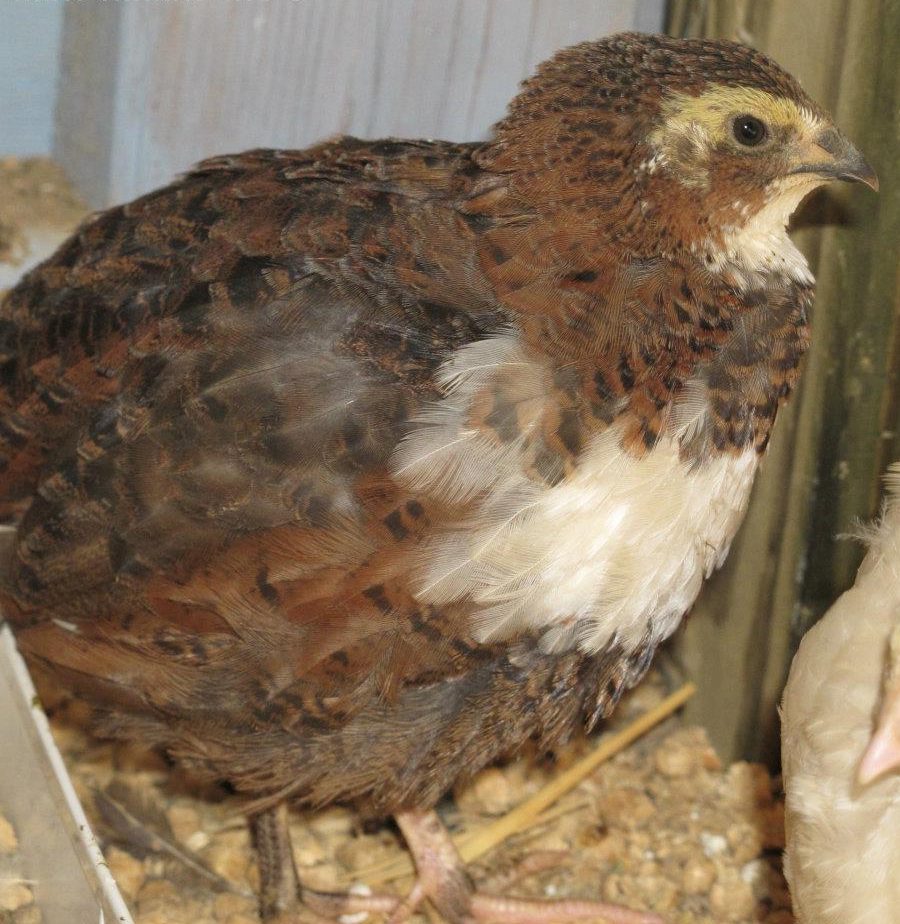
(831, 156)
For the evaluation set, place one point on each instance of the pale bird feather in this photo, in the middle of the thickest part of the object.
(618, 549)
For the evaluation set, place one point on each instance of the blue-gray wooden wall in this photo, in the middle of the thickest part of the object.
(29, 55)
(149, 88)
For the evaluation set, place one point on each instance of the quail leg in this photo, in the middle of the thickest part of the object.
(443, 881)
(279, 887)
(281, 900)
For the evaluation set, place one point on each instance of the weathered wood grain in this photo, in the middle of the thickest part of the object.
(195, 79)
(85, 104)
(830, 448)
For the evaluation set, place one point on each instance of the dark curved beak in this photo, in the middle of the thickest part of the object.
(832, 157)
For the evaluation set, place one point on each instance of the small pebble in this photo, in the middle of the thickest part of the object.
(744, 840)
(709, 760)
(307, 848)
(658, 893)
(181, 912)
(365, 850)
(229, 863)
(758, 875)
(357, 917)
(749, 783)
(8, 840)
(155, 892)
(731, 898)
(323, 878)
(609, 849)
(197, 841)
(14, 895)
(627, 807)
(161, 902)
(128, 871)
(490, 793)
(615, 889)
(675, 761)
(332, 822)
(184, 822)
(555, 840)
(713, 845)
(698, 878)
(230, 855)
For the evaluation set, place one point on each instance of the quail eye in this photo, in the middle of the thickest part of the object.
(749, 130)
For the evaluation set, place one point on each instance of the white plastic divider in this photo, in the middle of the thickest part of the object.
(59, 853)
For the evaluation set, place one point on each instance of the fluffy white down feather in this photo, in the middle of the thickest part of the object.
(843, 840)
(616, 551)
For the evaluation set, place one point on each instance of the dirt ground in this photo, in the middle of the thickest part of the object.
(663, 826)
(37, 211)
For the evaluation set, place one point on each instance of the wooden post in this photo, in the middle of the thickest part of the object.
(823, 470)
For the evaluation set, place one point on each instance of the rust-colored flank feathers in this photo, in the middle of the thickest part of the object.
(339, 473)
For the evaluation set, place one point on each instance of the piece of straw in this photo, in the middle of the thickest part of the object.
(473, 844)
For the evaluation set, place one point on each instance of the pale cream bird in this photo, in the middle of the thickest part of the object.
(841, 746)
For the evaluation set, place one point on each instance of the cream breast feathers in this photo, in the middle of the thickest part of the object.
(615, 551)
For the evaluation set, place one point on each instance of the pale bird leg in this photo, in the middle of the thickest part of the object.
(444, 882)
(883, 751)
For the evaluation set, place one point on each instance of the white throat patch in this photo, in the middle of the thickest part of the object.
(761, 245)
